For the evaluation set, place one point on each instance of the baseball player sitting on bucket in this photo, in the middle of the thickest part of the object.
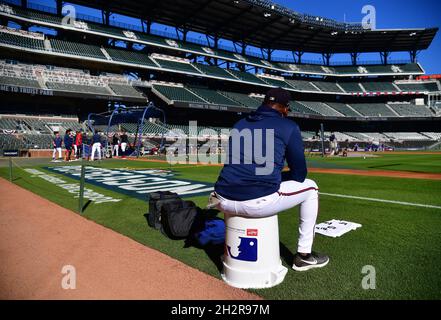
(250, 183)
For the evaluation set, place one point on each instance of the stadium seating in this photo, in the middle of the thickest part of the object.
(373, 109)
(77, 88)
(242, 99)
(151, 38)
(301, 108)
(8, 124)
(177, 94)
(433, 135)
(327, 86)
(20, 82)
(105, 29)
(302, 68)
(178, 66)
(411, 67)
(374, 136)
(149, 128)
(191, 46)
(11, 142)
(307, 135)
(357, 136)
(344, 109)
(379, 86)
(419, 86)
(78, 49)
(213, 71)
(213, 96)
(65, 79)
(38, 141)
(411, 110)
(301, 85)
(321, 108)
(405, 136)
(35, 15)
(346, 70)
(158, 40)
(130, 57)
(341, 136)
(275, 82)
(350, 86)
(21, 41)
(125, 90)
(35, 124)
(246, 76)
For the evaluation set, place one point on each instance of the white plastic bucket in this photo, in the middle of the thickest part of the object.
(252, 254)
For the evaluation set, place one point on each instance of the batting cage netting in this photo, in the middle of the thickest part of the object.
(123, 131)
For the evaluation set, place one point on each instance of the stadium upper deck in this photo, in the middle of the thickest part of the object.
(179, 47)
(264, 24)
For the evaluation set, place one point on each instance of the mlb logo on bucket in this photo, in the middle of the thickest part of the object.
(244, 249)
(252, 232)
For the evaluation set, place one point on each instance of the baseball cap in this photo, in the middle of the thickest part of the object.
(278, 95)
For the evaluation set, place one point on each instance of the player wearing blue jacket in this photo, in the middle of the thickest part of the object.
(57, 144)
(68, 144)
(251, 183)
(96, 145)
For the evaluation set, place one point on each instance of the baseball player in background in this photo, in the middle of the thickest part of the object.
(96, 145)
(334, 144)
(241, 191)
(57, 143)
(124, 141)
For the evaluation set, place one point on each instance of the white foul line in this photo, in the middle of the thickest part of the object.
(381, 200)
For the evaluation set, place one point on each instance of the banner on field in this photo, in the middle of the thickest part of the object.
(137, 184)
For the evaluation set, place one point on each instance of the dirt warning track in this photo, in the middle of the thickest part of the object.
(38, 238)
(371, 173)
(379, 173)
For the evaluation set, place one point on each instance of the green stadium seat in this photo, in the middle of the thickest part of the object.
(77, 49)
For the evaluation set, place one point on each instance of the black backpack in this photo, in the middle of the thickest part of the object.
(156, 201)
(170, 214)
(177, 218)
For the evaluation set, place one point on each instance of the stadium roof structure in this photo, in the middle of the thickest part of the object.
(266, 25)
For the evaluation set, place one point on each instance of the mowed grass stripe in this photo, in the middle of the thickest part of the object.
(380, 200)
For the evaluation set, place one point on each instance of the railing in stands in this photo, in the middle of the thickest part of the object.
(172, 35)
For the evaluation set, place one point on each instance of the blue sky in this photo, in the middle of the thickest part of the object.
(390, 14)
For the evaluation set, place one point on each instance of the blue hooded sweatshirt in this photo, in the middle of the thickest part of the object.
(58, 142)
(239, 181)
(68, 141)
(96, 138)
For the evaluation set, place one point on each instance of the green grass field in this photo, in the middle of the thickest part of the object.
(424, 163)
(402, 242)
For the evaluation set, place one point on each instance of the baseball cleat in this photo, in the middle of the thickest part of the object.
(311, 261)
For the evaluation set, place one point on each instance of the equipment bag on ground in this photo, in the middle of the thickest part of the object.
(177, 218)
(156, 201)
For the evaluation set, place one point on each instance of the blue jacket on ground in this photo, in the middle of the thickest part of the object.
(57, 142)
(240, 182)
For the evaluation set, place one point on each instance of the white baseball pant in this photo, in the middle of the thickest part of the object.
(123, 147)
(96, 147)
(116, 150)
(290, 194)
(55, 152)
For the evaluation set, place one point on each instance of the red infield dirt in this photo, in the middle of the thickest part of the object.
(379, 173)
(38, 238)
(371, 173)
